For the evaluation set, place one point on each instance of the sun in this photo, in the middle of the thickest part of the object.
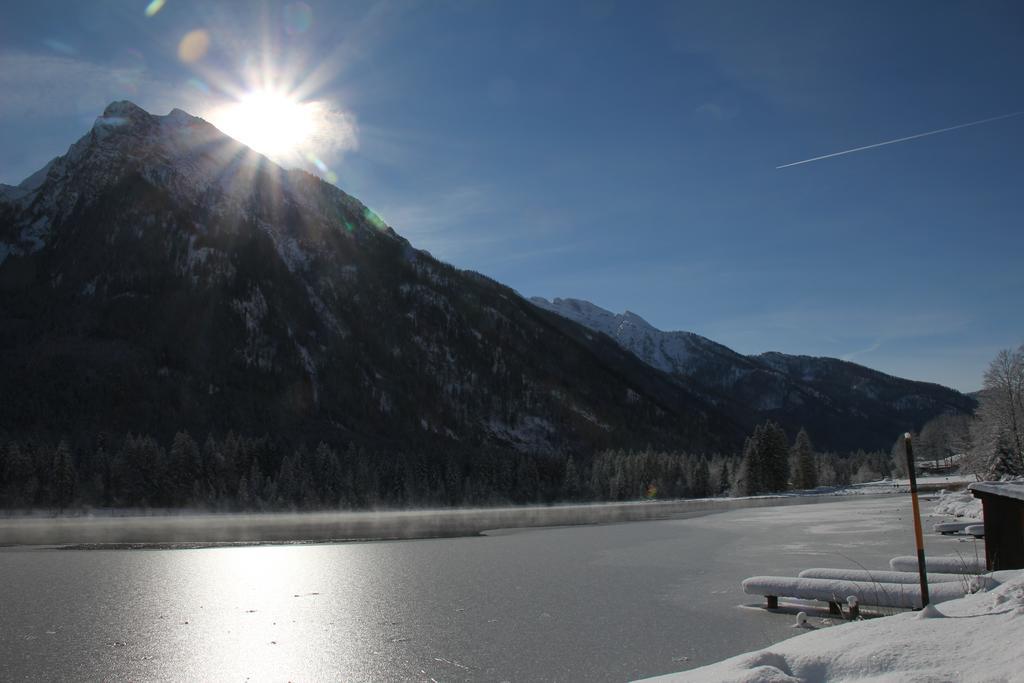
(272, 123)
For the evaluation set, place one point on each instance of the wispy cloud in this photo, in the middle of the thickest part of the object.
(862, 352)
(817, 327)
(442, 224)
(47, 86)
(531, 254)
(477, 226)
(716, 111)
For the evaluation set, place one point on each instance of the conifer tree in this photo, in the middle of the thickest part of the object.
(700, 482)
(184, 467)
(752, 469)
(571, 480)
(776, 457)
(765, 460)
(63, 474)
(806, 475)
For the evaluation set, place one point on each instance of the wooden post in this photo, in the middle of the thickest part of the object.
(921, 568)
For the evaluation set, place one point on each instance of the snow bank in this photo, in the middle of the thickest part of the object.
(880, 576)
(1008, 489)
(980, 643)
(953, 564)
(871, 593)
(958, 504)
(954, 527)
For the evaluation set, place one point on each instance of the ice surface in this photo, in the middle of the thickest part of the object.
(622, 600)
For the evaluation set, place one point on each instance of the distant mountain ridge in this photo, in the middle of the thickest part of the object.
(845, 406)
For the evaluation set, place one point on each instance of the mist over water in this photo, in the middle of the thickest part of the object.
(214, 529)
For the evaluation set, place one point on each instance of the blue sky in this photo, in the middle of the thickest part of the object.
(624, 152)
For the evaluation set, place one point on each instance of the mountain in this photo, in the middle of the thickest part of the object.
(162, 276)
(843, 405)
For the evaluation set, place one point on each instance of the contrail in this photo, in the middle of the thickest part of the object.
(909, 137)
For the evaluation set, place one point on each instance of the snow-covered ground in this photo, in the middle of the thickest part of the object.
(959, 504)
(975, 638)
(930, 482)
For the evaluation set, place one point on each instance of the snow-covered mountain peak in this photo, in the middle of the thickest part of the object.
(181, 115)
(124, 109)
(127, 116)
(584, 312)
(668, 351)
(631, 318)
(192, 164)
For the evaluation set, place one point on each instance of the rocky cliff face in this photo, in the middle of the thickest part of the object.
(161, 275)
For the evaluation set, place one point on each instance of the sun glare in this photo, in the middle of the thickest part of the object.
(271, 123)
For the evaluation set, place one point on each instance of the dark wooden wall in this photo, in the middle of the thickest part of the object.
(1004, 531)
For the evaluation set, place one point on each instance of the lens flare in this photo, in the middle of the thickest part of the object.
(60, 46)
(298, 17)
(194, 45)
(154, 7)
(374, 220)
(316, 161)
(198, 85)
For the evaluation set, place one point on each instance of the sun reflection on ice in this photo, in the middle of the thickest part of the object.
(258, 612)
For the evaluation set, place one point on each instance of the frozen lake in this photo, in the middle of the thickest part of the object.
(610, 602)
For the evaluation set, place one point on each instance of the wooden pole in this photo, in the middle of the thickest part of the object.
(921, 569)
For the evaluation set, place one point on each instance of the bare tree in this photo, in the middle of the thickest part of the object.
(942, 439)
(997, 433)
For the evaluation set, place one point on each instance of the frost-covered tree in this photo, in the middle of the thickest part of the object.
(997, 433)
(806, 472)
(724, 478)
(700, 479)
(827, 475)
(898, 453)
(942, 438)
(1002, 464)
